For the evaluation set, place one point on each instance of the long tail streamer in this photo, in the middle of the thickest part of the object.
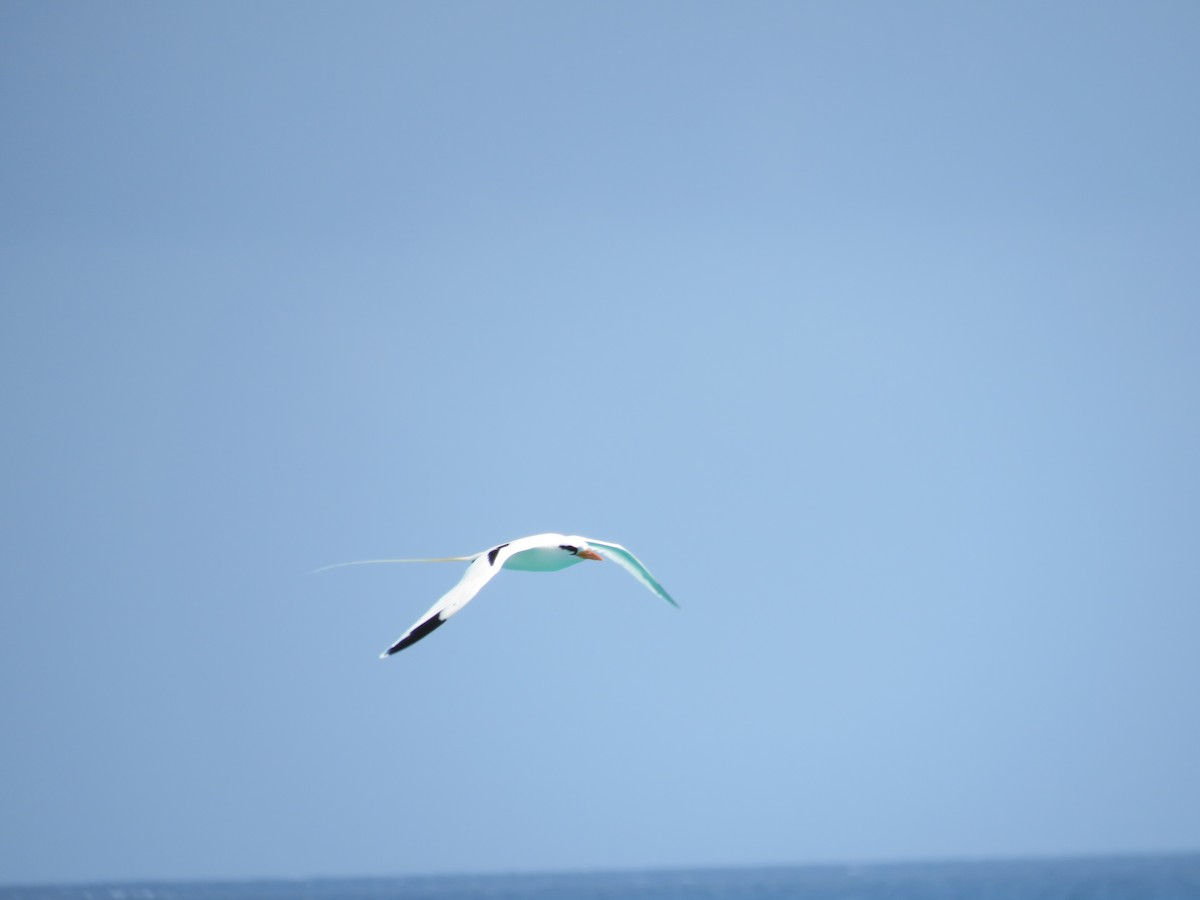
(371, 562)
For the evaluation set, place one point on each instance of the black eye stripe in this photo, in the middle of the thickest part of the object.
(568, 547)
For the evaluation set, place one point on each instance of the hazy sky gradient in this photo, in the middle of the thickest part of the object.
(872, 328)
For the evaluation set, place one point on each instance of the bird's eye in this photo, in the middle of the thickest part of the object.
(568, 548)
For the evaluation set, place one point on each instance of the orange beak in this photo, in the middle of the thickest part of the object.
(590, 554)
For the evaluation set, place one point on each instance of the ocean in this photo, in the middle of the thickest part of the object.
(1106, 878)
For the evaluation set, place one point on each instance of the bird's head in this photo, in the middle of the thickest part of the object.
(577, 546)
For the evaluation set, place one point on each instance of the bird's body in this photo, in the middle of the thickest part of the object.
(549, 552)
(542, 559)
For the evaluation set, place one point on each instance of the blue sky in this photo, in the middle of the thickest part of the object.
(872, 328)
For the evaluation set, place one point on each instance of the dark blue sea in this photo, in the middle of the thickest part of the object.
(1109, 878)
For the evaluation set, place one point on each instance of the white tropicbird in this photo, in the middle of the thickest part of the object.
(538, 553)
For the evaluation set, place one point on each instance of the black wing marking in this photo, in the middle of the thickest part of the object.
(430, 624)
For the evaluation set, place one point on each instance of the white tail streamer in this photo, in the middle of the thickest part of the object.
(371, 562)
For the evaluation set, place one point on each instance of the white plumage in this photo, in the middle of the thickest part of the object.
(538, 553)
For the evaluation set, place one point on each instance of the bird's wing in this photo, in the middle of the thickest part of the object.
(630, 564)
(479, 573)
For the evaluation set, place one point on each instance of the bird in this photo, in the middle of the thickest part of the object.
(537, 553)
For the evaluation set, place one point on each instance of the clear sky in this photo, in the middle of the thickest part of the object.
(871, 327)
